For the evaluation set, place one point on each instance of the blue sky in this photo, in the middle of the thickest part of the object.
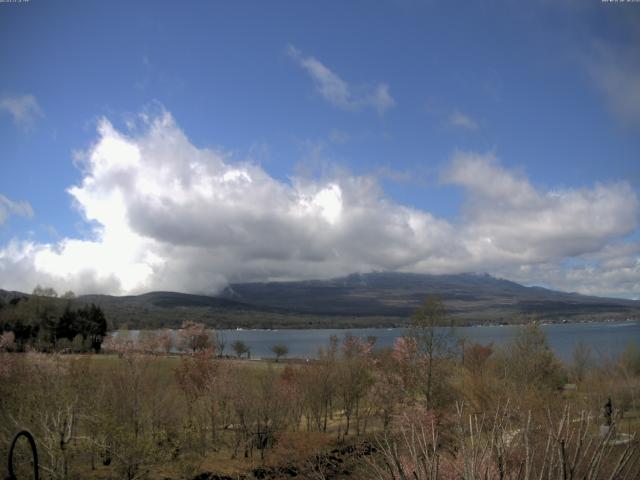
(314, 139)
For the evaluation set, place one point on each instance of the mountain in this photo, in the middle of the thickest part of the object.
(171, 309)
(358, 300)
(478, 297)
(167, 300)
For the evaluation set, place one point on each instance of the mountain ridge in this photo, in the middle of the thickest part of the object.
(357, 300)
(398, 293)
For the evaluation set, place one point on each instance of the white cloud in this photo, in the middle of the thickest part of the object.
(9, 207)
(588, 276)
(380, 99)
(338, 92)
(169, 215)
(461, 120)
(507, 218)
(23, 108)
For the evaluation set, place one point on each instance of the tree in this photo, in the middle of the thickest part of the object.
(197, 376)
(128, 421)
(67, 326)
(93, 325)
(431, 330)
(42, 322)
(530, 363)
(630, 358)
(68, 295)
(240, 348)
(89, 322)
(219, 342)
(165, 341)
(354, 377)
(387, 393)
(280, 351)
(193, 337)
(272, 409)
(476, 357)
(148, 341)
(45, 292)
(318, 383)
(7, 341)
(582, 360)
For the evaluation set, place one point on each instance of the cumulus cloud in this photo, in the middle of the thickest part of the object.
(167, 214)
(9, 207)
(461, 120)
(170, 215)
(505, 217)
(23, 108)
(340, 93)
(618, 276)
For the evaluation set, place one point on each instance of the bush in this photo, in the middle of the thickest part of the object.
(630, 358)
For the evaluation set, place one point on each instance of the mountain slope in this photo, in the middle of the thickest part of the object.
(473, 296)
(358, 300)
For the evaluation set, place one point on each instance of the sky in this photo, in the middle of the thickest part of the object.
(186, 145)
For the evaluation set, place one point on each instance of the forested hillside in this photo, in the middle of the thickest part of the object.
(359, 300)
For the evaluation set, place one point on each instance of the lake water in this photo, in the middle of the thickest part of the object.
(606, 339)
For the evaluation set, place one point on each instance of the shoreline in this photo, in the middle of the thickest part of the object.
(394, 327)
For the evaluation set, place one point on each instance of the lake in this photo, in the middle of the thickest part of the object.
(606, 339)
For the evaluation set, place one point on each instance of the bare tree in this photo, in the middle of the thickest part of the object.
(165, 341)
(479, 447)
(219, 342)
(582, 359)
(431, 329)
(193, 337)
